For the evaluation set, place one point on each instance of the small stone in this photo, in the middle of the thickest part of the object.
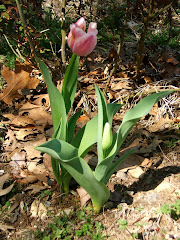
(152, 197)
(165, 186)
(136, 172)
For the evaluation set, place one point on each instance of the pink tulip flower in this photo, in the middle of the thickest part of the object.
(79, 41)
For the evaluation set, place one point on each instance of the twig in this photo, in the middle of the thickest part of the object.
(119, 46)
(25, 28)
(164, 154)
(54, 54)
(140, 47)
(63, 33)
(18, 56)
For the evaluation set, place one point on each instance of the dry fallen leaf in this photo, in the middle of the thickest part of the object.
(5, 191)
(29, 146)
(121, 84)
(36, 113)
(17, 80)
(4, 227)
(42, 100)
(84, 196)
(36, 188)
(18, 121)
(38, 209)
(172, 60)
(10, 143)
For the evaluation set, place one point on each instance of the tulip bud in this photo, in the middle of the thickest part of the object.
(107, 136)
(79, 41)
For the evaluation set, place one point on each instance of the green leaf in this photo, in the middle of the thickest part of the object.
(66, 154)
(58, 109)
(58, 149)
(102, 119)
(135, 114)
(114, 167)
(112, 109)
(130, 119)
(87, 136)
(56, 171)
(71, 126)
(70, 82)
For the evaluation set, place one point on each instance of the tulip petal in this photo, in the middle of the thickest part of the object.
(81, 23)
(92, 28)
(85, 44)
(79, 41)
(77, 33)
(70, 39)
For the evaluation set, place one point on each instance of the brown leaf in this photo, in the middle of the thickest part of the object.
(121, 84)
(10, 143)
(19, 158)
(48, 165)
(17, 80)
(4, 227)
(172, 60)
(29, 147)
(42, 100)
(5, 191)
(36, 188)
(84, 196)
(36, 113)
(18, 121)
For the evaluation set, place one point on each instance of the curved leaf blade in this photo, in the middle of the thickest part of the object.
(71, 126)
(78, 169)
(70, 82)
(129, 121)
(58, 109)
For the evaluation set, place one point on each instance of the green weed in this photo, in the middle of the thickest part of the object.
(67, 226)
(122, 224)
(172, 142)
(171, 209)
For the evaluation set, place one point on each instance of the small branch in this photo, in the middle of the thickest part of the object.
(17, 55)
(140, 46)
(63, 33)
(25, 28)
(120, 46)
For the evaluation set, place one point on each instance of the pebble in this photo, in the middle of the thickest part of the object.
(136, 172)
(152, 197)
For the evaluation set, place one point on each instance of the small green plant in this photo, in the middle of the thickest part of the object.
(122, 224)
(172, 142)
(140, 209)
(171, 209)
(65, 226)
(45, 193)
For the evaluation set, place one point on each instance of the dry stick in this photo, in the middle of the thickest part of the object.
(25, 28)
(119, 46)
(140, 46)
(17, 55)
(63, 33)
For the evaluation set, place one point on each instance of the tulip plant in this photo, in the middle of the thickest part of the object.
(66, 149)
